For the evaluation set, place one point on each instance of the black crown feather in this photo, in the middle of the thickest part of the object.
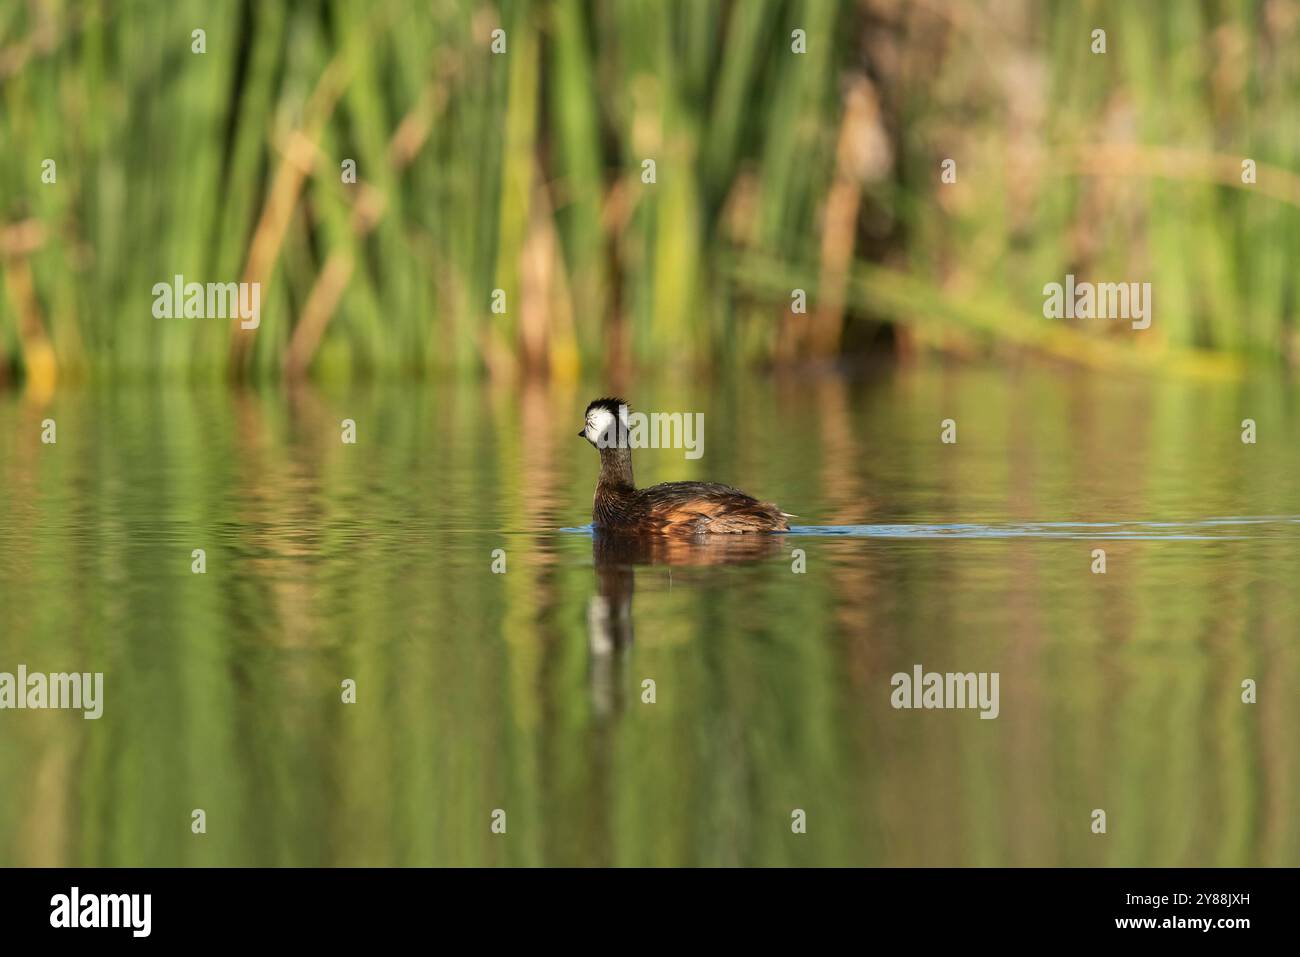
(610, 404)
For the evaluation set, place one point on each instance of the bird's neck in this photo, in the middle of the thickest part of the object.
(615, 470)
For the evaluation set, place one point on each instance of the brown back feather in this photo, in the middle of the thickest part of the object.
(691, 507)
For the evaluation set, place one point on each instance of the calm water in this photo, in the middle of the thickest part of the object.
(522, 691)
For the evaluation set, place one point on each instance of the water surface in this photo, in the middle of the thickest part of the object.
(771, 658)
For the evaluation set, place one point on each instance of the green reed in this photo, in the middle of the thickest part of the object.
(522, 172)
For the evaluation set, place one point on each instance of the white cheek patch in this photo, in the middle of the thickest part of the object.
(598, 422)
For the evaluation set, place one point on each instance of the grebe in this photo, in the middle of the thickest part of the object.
(673, 508)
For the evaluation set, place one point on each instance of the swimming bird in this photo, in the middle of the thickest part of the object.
(673, 508)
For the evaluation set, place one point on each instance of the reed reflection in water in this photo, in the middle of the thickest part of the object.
(523, 690)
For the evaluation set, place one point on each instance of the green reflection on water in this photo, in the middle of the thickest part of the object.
(523, 691)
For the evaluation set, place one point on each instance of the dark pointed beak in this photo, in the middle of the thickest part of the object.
(582, 434)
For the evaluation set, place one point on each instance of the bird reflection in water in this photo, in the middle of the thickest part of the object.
(609, 613)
